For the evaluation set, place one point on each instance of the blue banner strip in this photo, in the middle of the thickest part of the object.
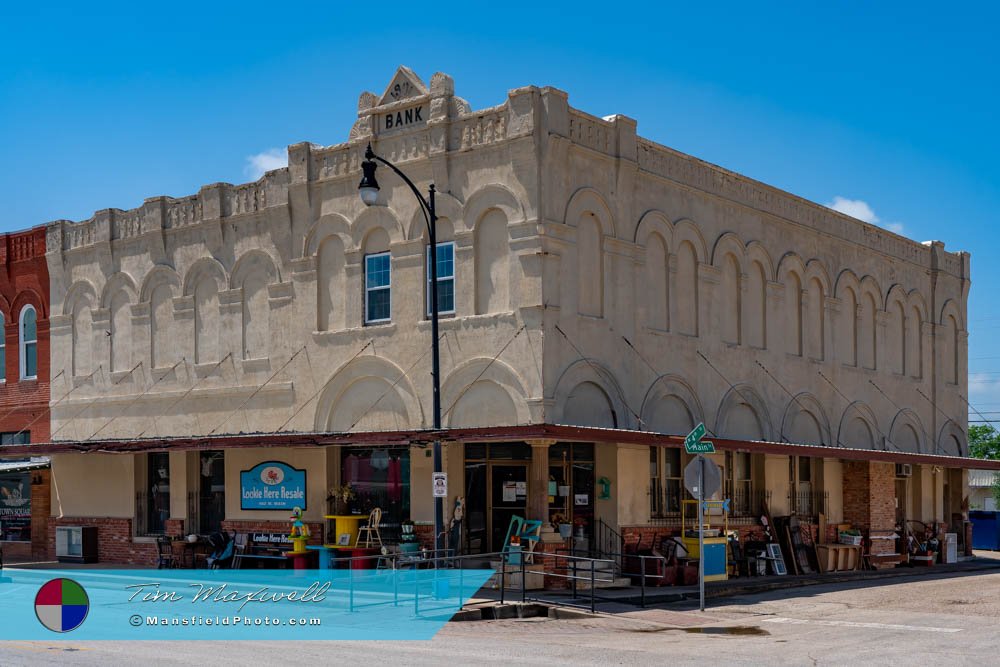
(91, 604)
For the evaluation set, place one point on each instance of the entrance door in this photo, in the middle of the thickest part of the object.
(508, 497)
(211, 491)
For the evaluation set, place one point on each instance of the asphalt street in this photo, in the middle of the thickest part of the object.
(926, 619)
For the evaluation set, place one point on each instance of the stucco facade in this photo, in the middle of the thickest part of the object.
(600, 279)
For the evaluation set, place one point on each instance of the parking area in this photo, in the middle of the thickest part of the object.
(947, 617)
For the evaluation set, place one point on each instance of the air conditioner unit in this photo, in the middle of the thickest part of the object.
(904, 470)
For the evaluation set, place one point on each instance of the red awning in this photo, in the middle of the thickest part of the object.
(483, 434)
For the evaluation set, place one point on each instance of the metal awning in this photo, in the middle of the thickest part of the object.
(481, 434)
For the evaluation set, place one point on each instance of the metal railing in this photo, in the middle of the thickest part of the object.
(151, 514)
(809, 504)
(744, 509)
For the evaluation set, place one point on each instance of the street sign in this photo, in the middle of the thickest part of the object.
(694, 436)
(439, 483)
(703, 447)
(693, 443)
(713, 477)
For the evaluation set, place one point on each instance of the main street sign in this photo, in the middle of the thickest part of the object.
(693, 443)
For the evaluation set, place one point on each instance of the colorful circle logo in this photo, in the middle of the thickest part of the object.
(61, 605)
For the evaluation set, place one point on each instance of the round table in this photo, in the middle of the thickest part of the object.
(345, 524)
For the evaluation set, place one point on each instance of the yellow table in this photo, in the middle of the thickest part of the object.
(345, 524)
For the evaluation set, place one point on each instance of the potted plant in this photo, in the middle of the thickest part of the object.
(340, 498)
(408, 543)
(560, 523)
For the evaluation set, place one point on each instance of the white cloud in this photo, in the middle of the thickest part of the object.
(273, 158)
(858, 208)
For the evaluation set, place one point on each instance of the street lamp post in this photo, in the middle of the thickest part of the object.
(368, 189)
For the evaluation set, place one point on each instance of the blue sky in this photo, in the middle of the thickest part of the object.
(890, 107)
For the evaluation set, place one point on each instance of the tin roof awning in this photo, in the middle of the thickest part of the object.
(480, 434)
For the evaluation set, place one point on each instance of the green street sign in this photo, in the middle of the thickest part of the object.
(694, 436)
(702, 447)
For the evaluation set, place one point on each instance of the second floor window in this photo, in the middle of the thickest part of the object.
(445, 278)
(29, 344)
(377, 288)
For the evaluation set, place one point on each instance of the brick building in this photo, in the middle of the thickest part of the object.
(24, 391)
(604, 294)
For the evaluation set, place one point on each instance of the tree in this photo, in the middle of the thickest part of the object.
(984, 442)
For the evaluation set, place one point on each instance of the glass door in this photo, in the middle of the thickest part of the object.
(508, 497)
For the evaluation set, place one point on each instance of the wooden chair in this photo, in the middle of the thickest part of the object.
(371, 529)
(165, 553)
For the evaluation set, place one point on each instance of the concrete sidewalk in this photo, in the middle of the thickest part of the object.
(632, 596)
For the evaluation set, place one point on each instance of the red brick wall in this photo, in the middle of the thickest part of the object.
(870, 500)
(115, 543)
(233, 526)
(24, 279)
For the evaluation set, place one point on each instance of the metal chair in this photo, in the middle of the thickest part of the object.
(239, 548)
(165, 553)
(371, 529)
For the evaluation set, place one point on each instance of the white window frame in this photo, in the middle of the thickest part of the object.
(427, 270)
(368, 289)
(23, 344)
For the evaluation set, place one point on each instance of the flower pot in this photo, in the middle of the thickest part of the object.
(565, 530)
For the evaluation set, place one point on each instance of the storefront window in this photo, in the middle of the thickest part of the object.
(379, 477)
(15, 507)
(666, 489)
(156, 496)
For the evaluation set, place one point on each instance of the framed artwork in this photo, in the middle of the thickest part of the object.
(344, 540)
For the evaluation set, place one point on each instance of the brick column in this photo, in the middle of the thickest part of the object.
(870, 499)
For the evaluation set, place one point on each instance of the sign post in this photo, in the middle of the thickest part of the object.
(701, 532)
(693, 444)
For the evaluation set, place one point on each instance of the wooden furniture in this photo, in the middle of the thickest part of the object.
(344, 524)
(301, 560)
(189, 554)
(165, 553)
(76, 544)
(838, 557)
(371, 529)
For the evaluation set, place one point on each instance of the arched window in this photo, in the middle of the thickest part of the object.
(28, 336)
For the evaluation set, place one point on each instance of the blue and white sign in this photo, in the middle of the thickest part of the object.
(272, 485)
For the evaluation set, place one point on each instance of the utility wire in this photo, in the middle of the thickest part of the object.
(317, 392)
(599, 373)
(134, 400)
(393, 385)
(189, 390)
(113, 384)
(257, 390)
(656, 374)
(937, 446)
(61, 399)
(483, 372)
(793, 397)
(849, 404)
(898, 409)
(731, 385)
(976, 411)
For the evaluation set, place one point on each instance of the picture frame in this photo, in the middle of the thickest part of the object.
(777, 560)
(344, 540)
